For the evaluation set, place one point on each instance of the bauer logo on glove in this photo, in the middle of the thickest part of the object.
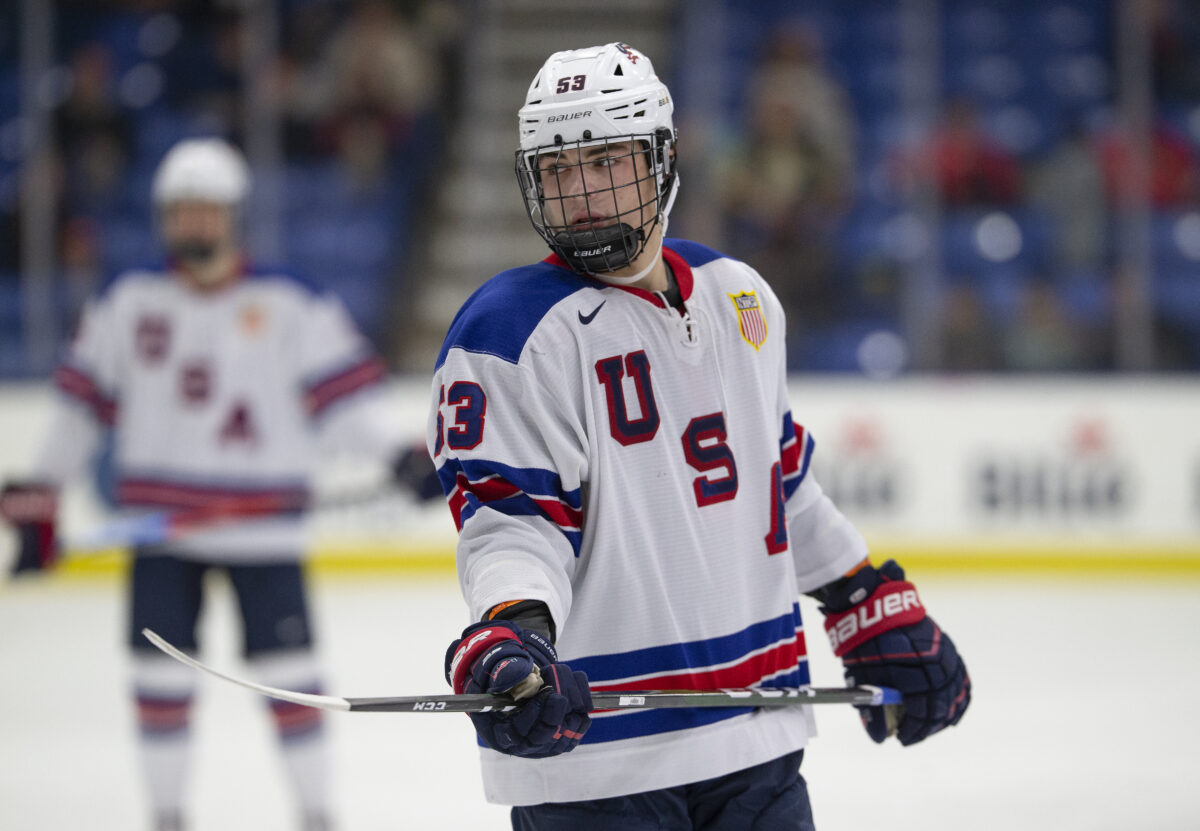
(894, 604)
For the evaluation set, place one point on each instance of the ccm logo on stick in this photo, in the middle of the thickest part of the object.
(891, 606)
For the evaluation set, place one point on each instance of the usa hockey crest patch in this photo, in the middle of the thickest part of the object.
(750, 318)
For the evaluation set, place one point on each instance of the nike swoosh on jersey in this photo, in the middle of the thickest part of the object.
(585, 320)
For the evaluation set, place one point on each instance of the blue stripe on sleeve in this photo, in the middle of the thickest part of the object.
(792, 482)
(530, 480)
(533, 480)
(806, 454)
(520, 505)
(789, 429)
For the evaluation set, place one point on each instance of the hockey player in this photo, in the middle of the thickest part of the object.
(218, 381)
(635, 505)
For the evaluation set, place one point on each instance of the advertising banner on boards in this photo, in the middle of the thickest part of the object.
(954, 473)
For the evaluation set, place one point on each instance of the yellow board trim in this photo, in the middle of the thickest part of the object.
(1134, 561)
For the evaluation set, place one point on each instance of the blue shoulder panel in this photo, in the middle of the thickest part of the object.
(501, 315)
(693, 253)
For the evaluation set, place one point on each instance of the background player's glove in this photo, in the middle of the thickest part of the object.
(31, 508)
(879, 629)
(497, 656)
(413, 470)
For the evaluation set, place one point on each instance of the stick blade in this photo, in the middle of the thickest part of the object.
(321, 702)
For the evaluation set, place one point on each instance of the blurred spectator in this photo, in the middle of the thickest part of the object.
(1069, 185)
(785, 184)
(1041, 337)
(794, 82)
(295, 80)
(95, 135)
(339, 82)
(970, 342)
(1175, 48)
(968, 166)
(364, 151)
(205, 70)
(1174, 170)
(376, 67)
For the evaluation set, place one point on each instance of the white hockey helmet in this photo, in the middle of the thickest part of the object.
(599, 95)
(203, 169)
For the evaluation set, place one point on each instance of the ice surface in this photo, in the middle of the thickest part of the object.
(1083, 716)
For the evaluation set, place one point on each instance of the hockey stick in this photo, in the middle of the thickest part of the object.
(601, 699)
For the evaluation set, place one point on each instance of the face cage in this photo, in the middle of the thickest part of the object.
(613, 246)
(237, 214)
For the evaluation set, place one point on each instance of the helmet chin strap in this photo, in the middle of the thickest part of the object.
(205, 263)
(630, 279)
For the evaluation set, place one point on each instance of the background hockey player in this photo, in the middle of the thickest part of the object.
(218, 380)
(635, 503)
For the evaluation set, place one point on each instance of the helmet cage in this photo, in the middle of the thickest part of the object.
(613, 246)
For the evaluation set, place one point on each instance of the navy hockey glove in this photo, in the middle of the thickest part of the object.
(879, 629)
(497, 656)
(413, 470)
(31, 509)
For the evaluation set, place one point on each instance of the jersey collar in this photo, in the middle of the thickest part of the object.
(241, 271)
(683, 276)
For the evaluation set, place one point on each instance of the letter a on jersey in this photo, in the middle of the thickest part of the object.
(750, 318)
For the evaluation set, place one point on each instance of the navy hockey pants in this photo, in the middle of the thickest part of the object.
(167, 594)
(768, 797)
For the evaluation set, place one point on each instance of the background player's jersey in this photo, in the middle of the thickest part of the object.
(214, 398)
(638, 471)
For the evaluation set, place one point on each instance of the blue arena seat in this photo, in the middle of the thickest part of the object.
(1177, 297)
(1175, 241)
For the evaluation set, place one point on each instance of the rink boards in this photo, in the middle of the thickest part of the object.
(946, 474)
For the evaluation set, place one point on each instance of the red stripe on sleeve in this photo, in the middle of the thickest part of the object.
(81, 386)
(323, 393)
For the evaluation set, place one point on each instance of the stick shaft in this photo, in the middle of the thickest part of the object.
(601, 699)
(641, 699)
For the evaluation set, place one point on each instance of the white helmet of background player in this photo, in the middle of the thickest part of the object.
(603, 95)
(203, 170)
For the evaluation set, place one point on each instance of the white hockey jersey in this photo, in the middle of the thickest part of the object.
(215, 399)
(638, 470)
